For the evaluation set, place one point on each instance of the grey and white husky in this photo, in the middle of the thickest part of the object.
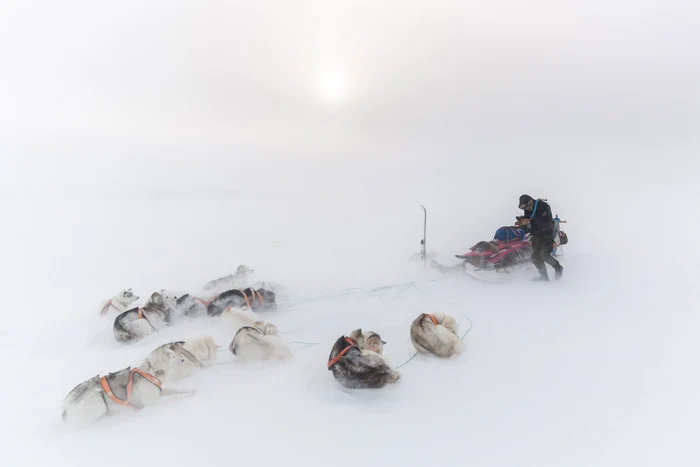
(355, 368)
(261, 341)
(126, 389)
(237, 280)
(155, 315)
(120, 302)
(190, 306)
(254, 299)
(199, 353)
(436, 335)
(368, 341)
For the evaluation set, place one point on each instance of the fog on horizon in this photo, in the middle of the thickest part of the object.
(447, 80)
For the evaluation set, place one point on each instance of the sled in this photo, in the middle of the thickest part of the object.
(510, 251)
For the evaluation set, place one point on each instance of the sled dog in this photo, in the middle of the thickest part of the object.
(436, 334)
(120, 302)
(261, 341)
(140, 322)
(126, 389)
(354, 368)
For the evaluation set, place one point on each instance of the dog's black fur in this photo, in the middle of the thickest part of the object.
(234, 298)
(154, 308)
(357, 370)
(190, 306)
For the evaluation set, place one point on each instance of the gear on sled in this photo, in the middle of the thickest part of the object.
(509, 248)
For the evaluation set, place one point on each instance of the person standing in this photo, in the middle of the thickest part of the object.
(537, 220)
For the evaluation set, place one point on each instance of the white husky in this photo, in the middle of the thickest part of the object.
(135, 388)
(261, 341)
(199, 353)
(121, 302)
(237, 280)
(436, 334)
(241, 279)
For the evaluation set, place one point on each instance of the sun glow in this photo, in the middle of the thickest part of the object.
(333, 85)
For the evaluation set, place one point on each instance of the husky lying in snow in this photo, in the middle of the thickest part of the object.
(232, 281)
(436, 334)
(190, 306)
(261, 299)
(369, 341)
(155, 315)
(261, 341)
(241, 279)
(199, 353)
(120, 302)
(355, 368)
(132, 388)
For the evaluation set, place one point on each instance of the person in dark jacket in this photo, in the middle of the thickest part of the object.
(538, 221)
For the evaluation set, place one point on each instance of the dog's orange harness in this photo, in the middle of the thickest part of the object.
(129, 387)
(253, 294)
(106, 308)
(343, 352)
(248, 301)
(432, 318)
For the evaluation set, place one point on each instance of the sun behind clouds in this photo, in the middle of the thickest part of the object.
(332, 84)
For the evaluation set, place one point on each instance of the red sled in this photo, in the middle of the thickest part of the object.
(498, 255)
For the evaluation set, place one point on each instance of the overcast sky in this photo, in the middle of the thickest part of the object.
(432, 75)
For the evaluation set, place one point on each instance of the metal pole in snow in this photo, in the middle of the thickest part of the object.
(425, 228)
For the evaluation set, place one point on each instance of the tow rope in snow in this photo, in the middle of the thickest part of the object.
(373, 292)
(471, 325)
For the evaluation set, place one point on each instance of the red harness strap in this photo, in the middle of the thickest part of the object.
(253, 295)
(106, 307)
(343, 352)
(260, 297)
(245, 297)
(432, 318)
(129, 387)
(207, 302)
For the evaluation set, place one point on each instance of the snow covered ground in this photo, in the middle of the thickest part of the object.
(162, 145)
(596, 369)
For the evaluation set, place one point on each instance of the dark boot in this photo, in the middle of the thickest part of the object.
(543, 277)
(558, 271)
